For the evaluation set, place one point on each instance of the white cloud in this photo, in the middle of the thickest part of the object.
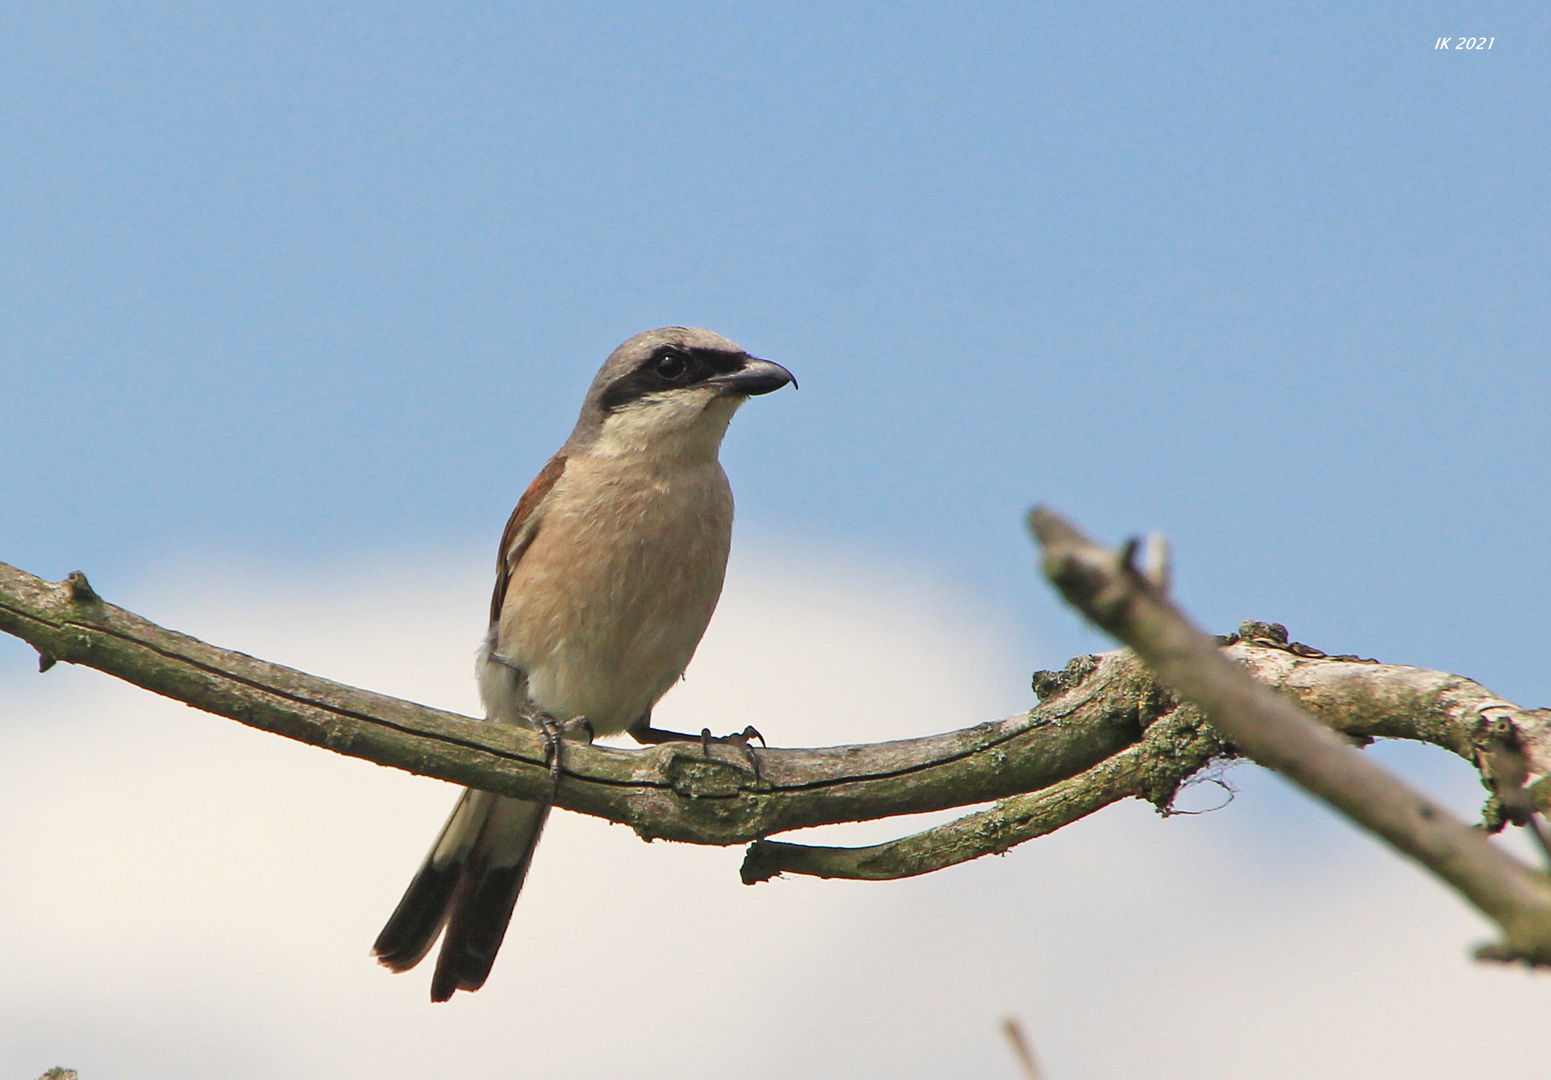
(190, 898)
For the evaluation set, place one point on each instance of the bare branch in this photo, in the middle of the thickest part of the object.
(1174, 748)
(1276, 733)
(673, 792)
(1076, 752)
(1362, 699)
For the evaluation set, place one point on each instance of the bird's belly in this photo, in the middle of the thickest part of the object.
(605, 609)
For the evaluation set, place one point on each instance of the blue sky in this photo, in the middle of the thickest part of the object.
(298, 283)
(306, 288)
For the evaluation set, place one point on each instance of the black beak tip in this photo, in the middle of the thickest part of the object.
(760, 377)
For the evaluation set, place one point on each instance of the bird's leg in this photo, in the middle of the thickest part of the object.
(643, 732)
(554, 732)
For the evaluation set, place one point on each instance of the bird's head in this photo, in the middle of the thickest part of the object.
(673, 391)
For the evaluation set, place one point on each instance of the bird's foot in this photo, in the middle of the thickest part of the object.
(741, 740)
(554, 732)
(643, 732)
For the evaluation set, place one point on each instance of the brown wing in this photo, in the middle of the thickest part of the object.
(520, 530)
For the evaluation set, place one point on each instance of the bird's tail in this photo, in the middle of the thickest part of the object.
(468, 884)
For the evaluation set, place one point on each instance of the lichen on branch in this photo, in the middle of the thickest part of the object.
(1104, 729)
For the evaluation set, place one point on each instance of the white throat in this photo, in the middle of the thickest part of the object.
(681, 425)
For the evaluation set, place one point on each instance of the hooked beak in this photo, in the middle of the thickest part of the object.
(755, 377)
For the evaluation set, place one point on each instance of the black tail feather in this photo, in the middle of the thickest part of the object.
(422, 912)
(469, 885)
(481, 908)
(420, 916)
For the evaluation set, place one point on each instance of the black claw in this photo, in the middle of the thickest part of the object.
(748, 751)
(740, 740)
(643, 732)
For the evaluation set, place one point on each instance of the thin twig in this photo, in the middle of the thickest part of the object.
(1173, 749)
(1021, 1048)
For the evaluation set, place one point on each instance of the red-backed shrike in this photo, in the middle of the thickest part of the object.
(607, 575)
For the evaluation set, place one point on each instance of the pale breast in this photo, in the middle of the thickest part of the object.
(606, 608)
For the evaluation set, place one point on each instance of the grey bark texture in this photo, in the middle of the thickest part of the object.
(1104, 729)
(1272, 729)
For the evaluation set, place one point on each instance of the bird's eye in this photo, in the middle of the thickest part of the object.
(671, 365)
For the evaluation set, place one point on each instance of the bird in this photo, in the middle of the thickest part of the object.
(607, 574)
